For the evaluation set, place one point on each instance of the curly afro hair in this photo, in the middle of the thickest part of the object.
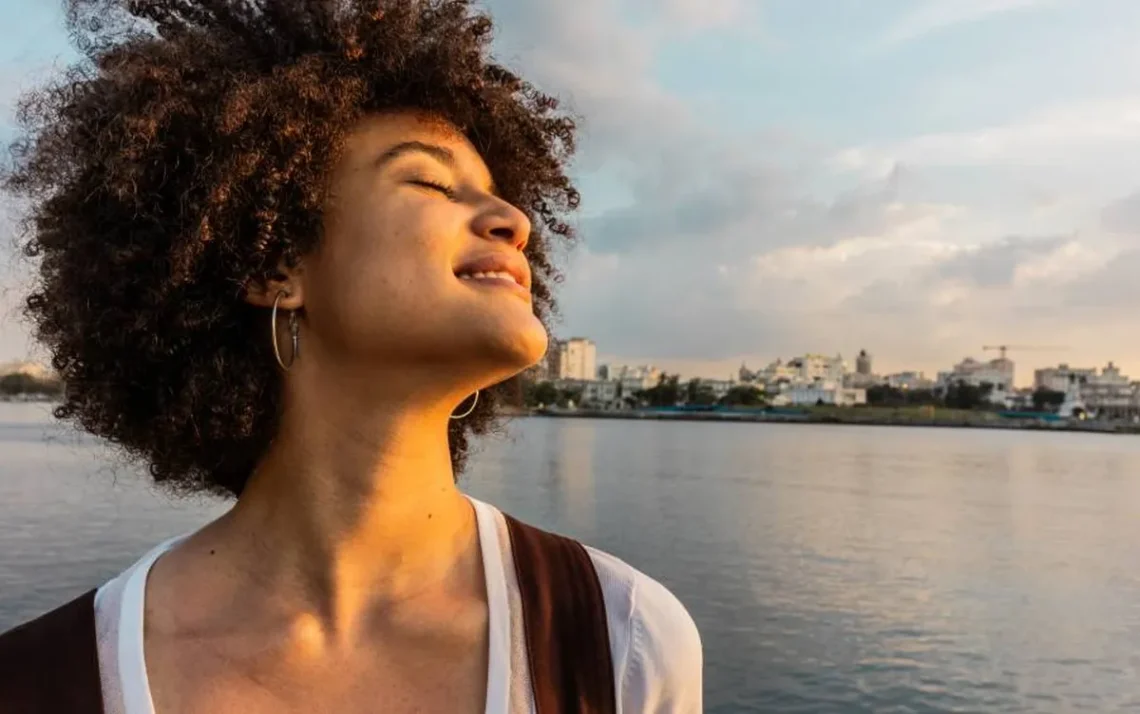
(185, 158)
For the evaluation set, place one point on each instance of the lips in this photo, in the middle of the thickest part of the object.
(496, 266)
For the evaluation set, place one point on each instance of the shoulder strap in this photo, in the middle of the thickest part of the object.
(564, 613)
(51, 664)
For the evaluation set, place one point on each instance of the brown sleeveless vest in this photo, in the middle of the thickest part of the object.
(50, 665)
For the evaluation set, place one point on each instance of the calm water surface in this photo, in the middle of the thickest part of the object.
(830, 569)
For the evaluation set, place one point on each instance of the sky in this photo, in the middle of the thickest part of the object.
(765, 178)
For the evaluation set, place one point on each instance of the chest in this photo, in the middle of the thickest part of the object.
(205, 675)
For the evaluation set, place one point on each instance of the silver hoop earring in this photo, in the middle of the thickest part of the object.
(470, 409)
(294, 332)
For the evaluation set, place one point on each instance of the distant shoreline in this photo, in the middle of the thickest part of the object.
(845, 417)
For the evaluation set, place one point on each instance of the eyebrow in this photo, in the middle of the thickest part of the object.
(439, 153)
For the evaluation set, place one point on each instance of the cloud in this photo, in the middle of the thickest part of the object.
(996, 264)
(745, 245)
(698, 15)
(708, 240)
(1084, 131)
(1122, 215)
(1113, 291)
(936, 15)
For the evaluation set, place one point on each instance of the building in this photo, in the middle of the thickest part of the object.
(863, 364)
(1058, 379)
(1110, 394)
(575, 358)
(719, 387)
(813, 394)
(746, 375)
(855, 380)
(634, 379)
(998, 373)
(603, 393)
(773, 376)
(1106, 395)
(909, 381)
(815, 368)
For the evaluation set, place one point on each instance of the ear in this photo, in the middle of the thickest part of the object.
(287, 280)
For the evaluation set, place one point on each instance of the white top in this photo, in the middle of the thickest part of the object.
(656, 648)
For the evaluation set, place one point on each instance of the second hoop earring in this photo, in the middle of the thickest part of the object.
(474, 401)
(294, 333)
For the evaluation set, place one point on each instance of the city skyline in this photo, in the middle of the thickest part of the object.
(916, 178)
(1024, 375)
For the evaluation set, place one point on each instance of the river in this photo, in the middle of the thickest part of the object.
(829, 569)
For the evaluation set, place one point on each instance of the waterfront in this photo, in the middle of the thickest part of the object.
(864, 569)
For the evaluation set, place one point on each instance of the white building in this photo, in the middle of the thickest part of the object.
(634, 379)
(576, 358)
(600, 392)
(815, 367)
(813, 394)
(997, 372)
(775, 374)
(806, 370)
(1107, 394)
(1059, 378)
(909, 381)
(719, 387)
(1110, 393)
(862, 381)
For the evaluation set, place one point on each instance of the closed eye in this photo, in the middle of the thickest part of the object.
(432, 185)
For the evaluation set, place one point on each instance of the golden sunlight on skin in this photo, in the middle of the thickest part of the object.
(351, 541)
(412, 204)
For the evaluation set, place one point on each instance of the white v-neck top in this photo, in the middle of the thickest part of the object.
(655, 644)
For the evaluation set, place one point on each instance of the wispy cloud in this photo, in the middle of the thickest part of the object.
(935, 15)
(1066, 133)
(706, 14)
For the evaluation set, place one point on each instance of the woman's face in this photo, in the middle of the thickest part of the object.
(421, 266)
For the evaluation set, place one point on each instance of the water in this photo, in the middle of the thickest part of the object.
(830, 569)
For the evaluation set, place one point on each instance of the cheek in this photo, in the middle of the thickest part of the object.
(374, 273)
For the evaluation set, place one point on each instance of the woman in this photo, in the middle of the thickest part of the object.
(294, 252)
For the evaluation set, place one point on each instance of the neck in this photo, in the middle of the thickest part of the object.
(355, 507)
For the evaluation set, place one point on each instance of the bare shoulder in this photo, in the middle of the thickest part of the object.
(658, 657)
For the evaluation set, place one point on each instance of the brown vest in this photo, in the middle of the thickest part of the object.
(51, 666)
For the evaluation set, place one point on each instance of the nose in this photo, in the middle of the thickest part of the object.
(502, 221)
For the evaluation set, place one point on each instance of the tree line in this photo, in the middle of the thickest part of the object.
(19, 384)
(671, 391)
(960, 395)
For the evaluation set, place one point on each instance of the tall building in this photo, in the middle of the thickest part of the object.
(575, 358)
(863, 364)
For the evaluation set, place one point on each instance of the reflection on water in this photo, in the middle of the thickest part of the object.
(863, 569)
(829, 569)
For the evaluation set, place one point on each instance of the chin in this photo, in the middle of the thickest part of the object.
(512, 348)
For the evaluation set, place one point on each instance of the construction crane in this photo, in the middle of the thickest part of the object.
(1020, 348)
